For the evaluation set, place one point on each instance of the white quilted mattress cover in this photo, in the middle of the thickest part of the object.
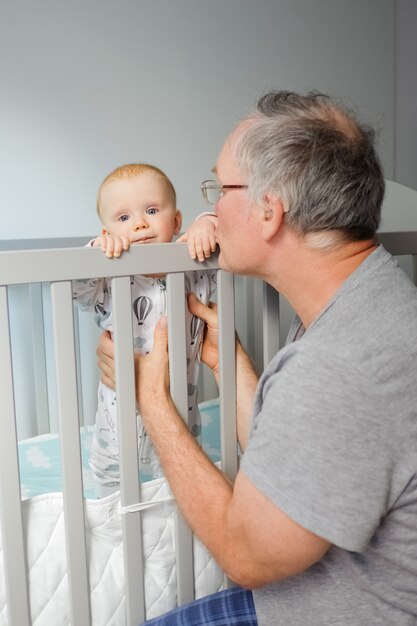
(43, 523)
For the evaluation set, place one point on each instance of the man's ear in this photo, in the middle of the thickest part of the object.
(178, 221)
(272, 216)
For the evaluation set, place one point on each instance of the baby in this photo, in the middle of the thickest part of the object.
(136, 204)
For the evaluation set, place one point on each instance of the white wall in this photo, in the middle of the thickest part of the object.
(406, 94)
(87, 86)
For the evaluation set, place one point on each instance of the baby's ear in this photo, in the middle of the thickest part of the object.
(178, 221)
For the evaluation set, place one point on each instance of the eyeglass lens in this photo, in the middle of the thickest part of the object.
(211, 191)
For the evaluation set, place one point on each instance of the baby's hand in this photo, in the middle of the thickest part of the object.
(200, 237)
(112, 246)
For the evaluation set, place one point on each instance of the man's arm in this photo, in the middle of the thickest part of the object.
(246, 377)
(251, 538)
(246, 381)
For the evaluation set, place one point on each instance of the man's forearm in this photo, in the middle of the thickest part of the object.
(251, 540)
(247, 380)
(181, 457)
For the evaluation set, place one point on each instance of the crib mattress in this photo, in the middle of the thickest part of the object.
(43, 521)
(40, 457)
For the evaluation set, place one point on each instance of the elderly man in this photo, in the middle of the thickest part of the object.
(320, 525)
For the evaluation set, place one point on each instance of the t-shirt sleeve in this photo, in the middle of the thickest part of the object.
(318, 451)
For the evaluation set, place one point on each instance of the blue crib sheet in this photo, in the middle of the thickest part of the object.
(40, 457)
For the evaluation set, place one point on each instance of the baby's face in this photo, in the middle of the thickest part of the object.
(141, 208)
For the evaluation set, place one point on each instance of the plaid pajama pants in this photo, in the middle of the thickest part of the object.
(232, 607)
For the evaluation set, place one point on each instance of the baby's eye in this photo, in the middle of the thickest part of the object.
(151, 211)
(123, 218)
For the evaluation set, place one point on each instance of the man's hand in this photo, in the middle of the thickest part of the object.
(152, 369)
(210, 348)
(105, 354)
(152, 373)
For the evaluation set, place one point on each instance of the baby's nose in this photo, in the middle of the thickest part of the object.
(141, 223)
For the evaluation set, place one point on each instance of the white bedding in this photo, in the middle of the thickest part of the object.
(43, 523)
(47, 562)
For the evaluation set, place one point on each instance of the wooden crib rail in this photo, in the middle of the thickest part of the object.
(33, 266)
(58, 267)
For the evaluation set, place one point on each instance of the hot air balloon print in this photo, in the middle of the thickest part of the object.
(101, 310)
(110, 428)
(101, 307)
(212, 284)
(142, 306)
(194, 327)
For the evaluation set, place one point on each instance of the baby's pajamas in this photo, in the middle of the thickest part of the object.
(149, 304)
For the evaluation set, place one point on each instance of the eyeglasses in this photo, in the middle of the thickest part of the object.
(212, 191)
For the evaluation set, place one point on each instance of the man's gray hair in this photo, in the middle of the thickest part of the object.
(318, 159)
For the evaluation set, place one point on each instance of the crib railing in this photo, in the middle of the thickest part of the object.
(58, 267)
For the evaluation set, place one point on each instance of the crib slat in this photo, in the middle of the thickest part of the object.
(10, 502)
(39, 358)
(69, 427)
(78, 366)
(270, 322)
(244, 311)
(178, 389)
(128, 452)
(227, 376)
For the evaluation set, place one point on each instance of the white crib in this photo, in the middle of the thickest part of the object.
(31, 263)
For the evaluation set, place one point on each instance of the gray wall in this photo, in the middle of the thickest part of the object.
(406, 93)
(87, 86)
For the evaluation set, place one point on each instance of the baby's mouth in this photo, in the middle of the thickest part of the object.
(143, 240)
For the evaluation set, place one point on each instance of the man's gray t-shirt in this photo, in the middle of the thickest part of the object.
(334, 445)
